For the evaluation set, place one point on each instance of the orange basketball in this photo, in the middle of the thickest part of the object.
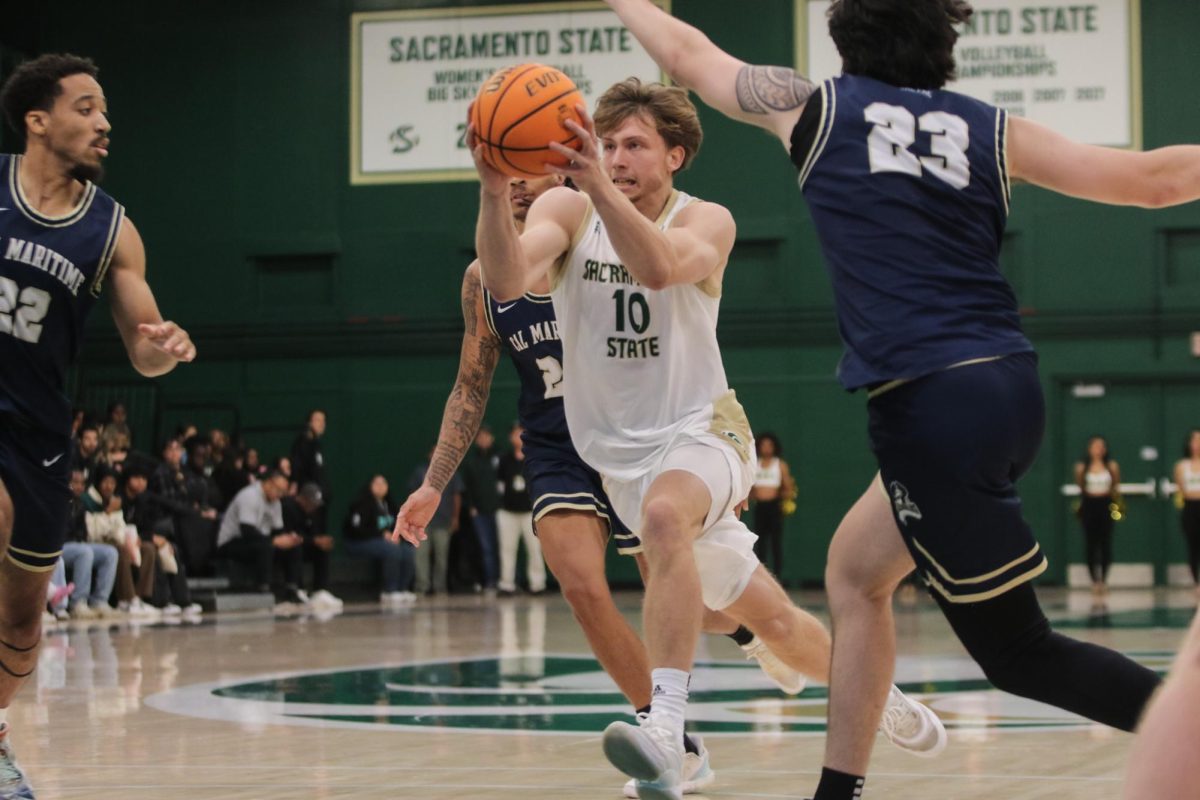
(518, 112)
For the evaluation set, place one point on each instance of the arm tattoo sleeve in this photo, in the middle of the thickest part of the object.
(761, 90)
(468, 399)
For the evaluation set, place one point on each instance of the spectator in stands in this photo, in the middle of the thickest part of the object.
(116, 422)
(197, 467)
(113, 451)
(308, 459)
(302, 515)
(252, 465)
(103, 522)
(368, 525)
(252, 530)
(773, 493)
(283, 465)
(92, 565)
(154, 522)
(78, 418)
(432, 561)
(483, 499)
(515, 521)
(86, 451)
(228, 467)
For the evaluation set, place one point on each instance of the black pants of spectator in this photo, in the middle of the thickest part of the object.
(1097, 535)
(170, 588)
(1191, 533)
(320, 561)
(256, 553)
(768, 524)
(289, 571)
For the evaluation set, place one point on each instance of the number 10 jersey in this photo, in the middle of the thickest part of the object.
(51, 272)
(641, 366)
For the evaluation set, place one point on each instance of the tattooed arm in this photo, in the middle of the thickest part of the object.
(768, 97)
(463, 414)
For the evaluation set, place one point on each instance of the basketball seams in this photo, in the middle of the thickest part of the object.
(512, 159)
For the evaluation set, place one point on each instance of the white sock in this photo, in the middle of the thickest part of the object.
(668, 699)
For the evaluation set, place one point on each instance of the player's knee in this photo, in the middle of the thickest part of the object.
(586, 597)
(664, 526)
(1015, 666)
(21, 625)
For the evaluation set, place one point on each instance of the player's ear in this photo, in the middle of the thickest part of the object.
(36, 121)
(675, 158)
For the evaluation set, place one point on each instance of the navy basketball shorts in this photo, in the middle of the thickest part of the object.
(35, 466)
(950, 448)
(558, 480)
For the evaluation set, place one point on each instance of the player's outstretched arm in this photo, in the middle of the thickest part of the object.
(511, 263)
(463, 414)
(154, 345)
(1158, 178)
(768, 97)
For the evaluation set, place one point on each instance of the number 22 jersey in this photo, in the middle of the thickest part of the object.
(909, 192)
(51, 272)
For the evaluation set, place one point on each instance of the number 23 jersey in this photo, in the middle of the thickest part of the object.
(909, 192)
(641, 366)
(51, 272)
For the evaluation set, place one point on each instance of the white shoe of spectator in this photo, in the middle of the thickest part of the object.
(324, 599)
(302, 597)
(104, 610)
(83, 611)
(407, 598)
(138, 609)
(286, 609)
(193, 610)
(48, 619)
(171, 610)
(61, 614)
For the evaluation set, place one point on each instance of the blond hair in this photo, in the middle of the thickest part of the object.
(672, 112)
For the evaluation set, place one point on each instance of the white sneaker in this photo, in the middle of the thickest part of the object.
(789, 680)
(171, 610)
(912, 726)
(83, 611)
(650, 754)
(323, 599)
(696, 772)
(103, 610)
(193, 610)
(140, 610)
(407, 598)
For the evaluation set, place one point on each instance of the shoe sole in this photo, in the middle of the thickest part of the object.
(622, 752)
(932, 752)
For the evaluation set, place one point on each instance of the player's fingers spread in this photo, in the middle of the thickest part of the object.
(563, 150)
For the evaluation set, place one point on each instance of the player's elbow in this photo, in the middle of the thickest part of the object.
(655, 280)
(1164, 192)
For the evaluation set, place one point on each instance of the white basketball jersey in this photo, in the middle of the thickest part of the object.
(641, 366)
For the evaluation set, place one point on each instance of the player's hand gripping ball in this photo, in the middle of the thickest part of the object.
(518, 112)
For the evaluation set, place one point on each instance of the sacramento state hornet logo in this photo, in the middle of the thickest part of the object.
(534, 693)
(402, 139)
(906, 509)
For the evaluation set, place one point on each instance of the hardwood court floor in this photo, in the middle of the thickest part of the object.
(474, 698)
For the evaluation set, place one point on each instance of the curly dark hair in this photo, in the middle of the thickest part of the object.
(35, 85)
(906, 43)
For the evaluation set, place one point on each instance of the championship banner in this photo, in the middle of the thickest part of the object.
(1074, 67)
(414, 73)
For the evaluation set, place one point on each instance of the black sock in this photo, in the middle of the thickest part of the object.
(643, 710)
(836, 785)
(742, 635)
(689, 745)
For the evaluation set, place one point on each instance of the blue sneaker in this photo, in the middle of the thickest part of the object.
(13, 785)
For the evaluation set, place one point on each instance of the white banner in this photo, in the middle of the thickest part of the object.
(1075, 67)
(415, 73)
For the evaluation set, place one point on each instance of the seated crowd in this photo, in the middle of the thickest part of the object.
(205, 505)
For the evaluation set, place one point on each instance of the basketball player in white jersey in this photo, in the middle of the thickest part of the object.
(636, 269)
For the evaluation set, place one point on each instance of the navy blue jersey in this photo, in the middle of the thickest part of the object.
(529, 330)
(909, 193)
(51, 272)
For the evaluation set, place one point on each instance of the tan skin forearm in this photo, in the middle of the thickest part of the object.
(644, 250)
(502, 261)
(469, 397)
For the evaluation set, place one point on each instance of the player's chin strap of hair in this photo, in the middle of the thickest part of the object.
(16, 649)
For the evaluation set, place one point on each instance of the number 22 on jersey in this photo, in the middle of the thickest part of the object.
(895, 131)
(22, 310)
